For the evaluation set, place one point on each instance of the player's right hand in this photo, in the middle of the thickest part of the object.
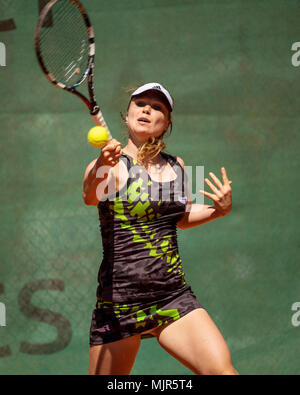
(111, 153)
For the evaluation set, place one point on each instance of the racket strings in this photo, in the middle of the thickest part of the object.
(48, 45)
(58, 21)
(64, 18)
(64, 46)
(63, 59)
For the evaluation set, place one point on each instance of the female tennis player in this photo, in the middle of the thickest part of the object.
(142, 290)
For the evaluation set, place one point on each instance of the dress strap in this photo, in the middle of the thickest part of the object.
(127, 160)
(171, 159)
(179, 170)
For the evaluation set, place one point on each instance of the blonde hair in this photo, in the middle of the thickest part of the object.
(150, 149)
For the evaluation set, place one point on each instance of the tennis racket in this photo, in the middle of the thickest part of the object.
(65, 48)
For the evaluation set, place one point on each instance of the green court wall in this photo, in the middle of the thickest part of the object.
(229, 66)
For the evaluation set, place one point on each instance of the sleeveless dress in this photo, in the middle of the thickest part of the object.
(141, 280)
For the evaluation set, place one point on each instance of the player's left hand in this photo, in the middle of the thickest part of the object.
(222, 194)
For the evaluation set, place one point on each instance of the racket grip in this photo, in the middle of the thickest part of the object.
(99, 121)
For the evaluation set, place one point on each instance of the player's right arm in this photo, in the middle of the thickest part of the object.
(98, 171)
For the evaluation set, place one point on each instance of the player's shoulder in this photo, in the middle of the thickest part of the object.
(173, 159)
(180, 161)
(89, 167)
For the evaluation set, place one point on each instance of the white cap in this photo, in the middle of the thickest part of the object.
(156, 86)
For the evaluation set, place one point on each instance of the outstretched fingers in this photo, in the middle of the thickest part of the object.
(221, 195)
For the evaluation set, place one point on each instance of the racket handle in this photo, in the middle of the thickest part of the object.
(99, 121)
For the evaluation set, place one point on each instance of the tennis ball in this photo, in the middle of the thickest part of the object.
(98, 136)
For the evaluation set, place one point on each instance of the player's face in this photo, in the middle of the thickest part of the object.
(147, 116)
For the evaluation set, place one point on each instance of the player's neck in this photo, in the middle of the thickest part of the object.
(131, 149)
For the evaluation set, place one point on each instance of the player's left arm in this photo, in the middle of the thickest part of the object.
(199, 214)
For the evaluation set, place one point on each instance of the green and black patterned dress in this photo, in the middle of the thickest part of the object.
(141, 280)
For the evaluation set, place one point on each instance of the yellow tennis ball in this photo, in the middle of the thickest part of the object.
(98, 136)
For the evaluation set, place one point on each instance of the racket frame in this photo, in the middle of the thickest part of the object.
(89, 71)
